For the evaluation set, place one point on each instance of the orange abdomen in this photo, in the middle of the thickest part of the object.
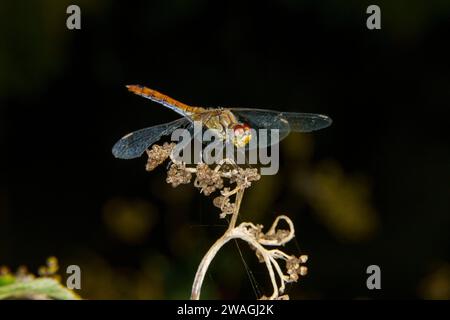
(160, 98)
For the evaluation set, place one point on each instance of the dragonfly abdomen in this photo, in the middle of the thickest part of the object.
(168, 102)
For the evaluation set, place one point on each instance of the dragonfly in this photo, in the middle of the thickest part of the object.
(240, 121)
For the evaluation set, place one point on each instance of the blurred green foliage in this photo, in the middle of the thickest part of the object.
(24, 285)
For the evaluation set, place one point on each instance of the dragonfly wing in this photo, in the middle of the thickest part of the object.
(134, 144)
(284, 122)
(260, 119)
(306, 122)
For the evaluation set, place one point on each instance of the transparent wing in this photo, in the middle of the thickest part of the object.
(134, 144)
(306, 122)
(283, 122)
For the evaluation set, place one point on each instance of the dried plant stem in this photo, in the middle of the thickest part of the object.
(206, 261)
(237, 206)
(240, 232)
(248, 232)
(209, 180)
(209, 256)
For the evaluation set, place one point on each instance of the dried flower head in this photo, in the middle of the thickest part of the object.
(158, 154)
(279, 235)
(225, 205)
(178, 174)
(295, 268)
(207, 180)
(245, 177)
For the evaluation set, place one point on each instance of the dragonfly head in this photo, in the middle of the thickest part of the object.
(242, 135)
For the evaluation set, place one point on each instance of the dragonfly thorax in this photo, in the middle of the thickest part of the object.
(226, 126)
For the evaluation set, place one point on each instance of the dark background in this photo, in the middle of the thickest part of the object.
(371, 189)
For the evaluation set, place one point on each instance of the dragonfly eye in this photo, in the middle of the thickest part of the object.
(242, 135)
(240, 129)
(246, 128)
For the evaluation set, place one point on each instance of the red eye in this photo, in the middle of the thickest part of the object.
(241, 128)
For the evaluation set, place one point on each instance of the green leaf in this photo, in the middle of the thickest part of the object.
(40, 288)
(7, 279)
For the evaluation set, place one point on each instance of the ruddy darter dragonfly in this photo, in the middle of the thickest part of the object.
(239, 120)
